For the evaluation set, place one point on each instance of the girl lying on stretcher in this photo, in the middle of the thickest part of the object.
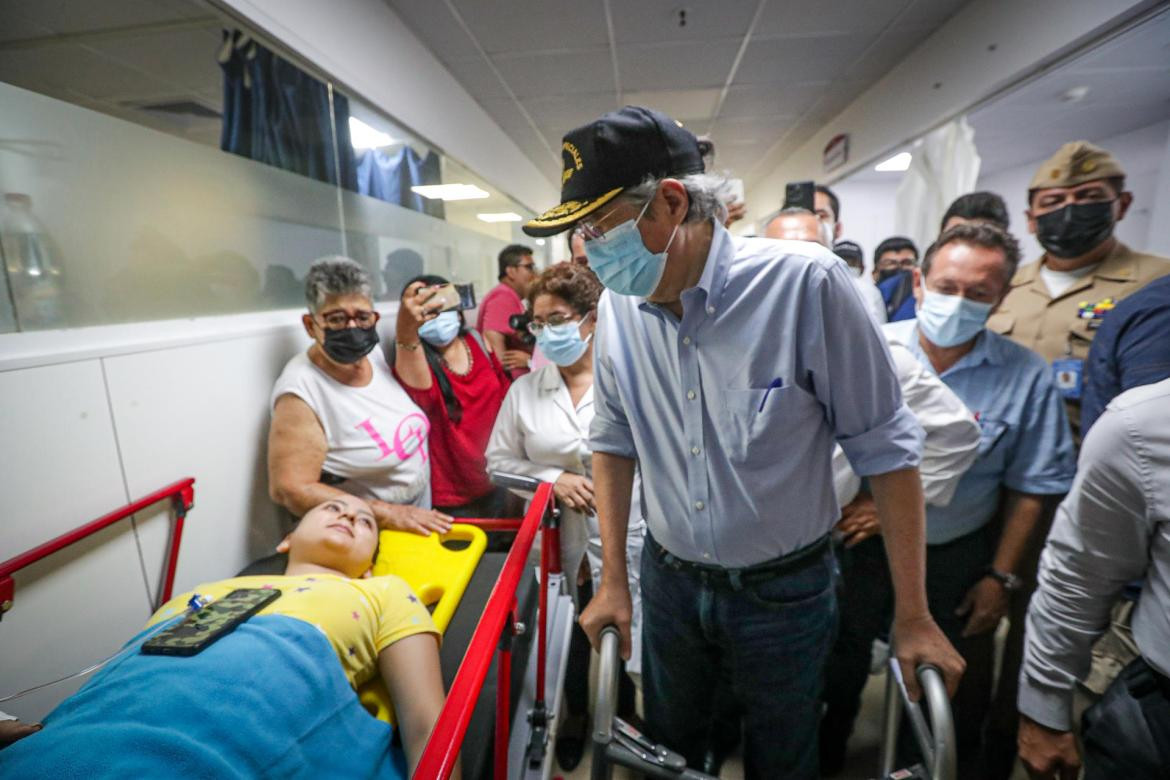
(274, 697)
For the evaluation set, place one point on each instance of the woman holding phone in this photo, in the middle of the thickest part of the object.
(452, 374)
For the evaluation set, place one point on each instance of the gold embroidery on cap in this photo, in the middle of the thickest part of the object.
(1055, 174)
(1088, 166)
(577, 164)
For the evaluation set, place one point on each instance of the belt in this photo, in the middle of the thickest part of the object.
(793, 562)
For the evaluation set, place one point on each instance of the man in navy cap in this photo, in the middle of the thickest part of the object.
(727, 369)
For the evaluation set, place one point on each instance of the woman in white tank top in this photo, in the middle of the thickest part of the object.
(340, 421)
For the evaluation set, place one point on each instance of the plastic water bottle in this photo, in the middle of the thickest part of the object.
(34, 277)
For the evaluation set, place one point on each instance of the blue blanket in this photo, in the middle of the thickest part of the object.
(270, 699)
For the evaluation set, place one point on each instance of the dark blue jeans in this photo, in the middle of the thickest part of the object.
(766, 643)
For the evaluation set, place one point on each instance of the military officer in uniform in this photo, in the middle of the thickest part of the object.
(1055, 306)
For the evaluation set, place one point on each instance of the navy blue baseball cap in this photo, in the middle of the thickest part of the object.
(611, 153)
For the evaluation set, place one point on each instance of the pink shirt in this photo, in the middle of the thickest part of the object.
(497, 306)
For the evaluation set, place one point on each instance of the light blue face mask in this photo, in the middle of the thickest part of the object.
(562, 344)
(950, 320)
(440, 331)
(623, 263)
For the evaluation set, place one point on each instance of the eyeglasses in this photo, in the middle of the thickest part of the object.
(340, 319)
(590, 229)
(527, 266)
(553, 321)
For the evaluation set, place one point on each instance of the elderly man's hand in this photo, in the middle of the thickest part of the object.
(1046, 753)
(610, 606)
(399, 517)
(918, 641)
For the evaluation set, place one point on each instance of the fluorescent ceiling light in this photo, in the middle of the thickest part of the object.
(499, 216)
(899, 162)
(540, 242)
(362, 136)
(450, 191)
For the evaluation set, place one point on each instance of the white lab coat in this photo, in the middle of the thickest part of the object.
(538, 433)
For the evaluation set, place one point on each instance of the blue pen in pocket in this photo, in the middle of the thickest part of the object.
(775, 384)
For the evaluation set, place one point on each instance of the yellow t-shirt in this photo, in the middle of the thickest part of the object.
(360, 618)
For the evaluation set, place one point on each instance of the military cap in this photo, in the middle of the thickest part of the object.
(1075, 163)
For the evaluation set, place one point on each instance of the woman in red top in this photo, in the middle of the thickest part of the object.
(450, 372)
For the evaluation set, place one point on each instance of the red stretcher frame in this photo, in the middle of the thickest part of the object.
(492, 634)
(182, 495)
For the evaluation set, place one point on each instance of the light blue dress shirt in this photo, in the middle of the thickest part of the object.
(733, 411)
(1026, 443)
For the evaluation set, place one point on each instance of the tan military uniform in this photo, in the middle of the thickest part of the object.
(1053, 327)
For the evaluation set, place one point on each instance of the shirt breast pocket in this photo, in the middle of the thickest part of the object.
(991, 432)
(758, 421)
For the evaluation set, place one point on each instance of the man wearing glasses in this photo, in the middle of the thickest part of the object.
(727, 369)
(505, 300)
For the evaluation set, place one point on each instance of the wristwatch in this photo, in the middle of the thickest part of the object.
(1011, 582)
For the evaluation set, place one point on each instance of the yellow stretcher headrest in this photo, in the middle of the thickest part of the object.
(438, 569)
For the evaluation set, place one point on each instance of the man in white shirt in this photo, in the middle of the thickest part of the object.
(1112, 529)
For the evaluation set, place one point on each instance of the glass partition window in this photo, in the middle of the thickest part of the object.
(159, 161)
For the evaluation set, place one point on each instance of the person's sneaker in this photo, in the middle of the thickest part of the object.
(570, 745)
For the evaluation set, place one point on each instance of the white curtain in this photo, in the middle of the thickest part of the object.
(945, 165)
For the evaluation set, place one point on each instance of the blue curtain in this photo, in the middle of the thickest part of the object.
(275, 113)
(389, 177)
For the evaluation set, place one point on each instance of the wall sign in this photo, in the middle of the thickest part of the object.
(836, 152)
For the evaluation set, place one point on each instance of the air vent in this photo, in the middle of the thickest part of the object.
(178, 108)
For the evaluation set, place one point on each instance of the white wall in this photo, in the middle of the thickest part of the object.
(905, 103)
(95, 417)
(867, 213)
(366, 46)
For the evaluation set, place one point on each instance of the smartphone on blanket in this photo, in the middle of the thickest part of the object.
(202, 628)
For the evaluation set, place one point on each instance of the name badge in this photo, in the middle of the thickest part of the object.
(1068, 374)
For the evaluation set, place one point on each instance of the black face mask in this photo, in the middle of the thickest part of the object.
(890, 273)
(349, 345)
(1076, 229)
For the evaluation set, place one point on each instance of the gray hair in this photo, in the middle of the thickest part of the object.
(708, 193)
(334, 275)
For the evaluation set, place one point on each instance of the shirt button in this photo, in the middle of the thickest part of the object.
(710, 309)
(694, 450)
(690, 395)
(699, 505)
(686, 339)
(707, 556)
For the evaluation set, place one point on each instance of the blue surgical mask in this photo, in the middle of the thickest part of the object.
(950, 320)
(442, 330)
(562, 344)
(623, 263)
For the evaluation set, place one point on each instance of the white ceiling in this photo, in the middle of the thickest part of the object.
(1129, 87)
(754, 74)
(1128, 81)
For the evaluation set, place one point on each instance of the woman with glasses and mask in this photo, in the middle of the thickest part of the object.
(340, 422)
(543, 432)
(456, 379)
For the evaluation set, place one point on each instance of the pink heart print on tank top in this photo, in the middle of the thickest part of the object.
(413, 429)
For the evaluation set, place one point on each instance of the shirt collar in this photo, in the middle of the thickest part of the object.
(550, 378)
(714, 277)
